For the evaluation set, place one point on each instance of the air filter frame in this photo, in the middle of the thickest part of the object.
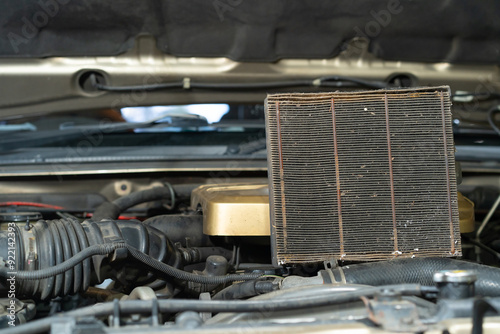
(416, 165)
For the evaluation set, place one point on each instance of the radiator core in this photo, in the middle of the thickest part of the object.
(362, 175)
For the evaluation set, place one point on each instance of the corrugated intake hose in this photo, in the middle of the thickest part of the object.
(64, 257)
(49, 243)
(418, 271)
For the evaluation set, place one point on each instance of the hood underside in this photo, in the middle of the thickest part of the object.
(257, 30)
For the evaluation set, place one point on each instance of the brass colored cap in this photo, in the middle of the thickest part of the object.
(466, 214)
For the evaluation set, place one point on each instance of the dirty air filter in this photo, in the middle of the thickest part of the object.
(362, 175)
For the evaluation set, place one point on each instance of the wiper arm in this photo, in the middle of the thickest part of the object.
(176, 120)
(17, 127)
(247, 148)
(187, 84)
(19, 140)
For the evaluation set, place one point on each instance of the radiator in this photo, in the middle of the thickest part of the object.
(362, 176)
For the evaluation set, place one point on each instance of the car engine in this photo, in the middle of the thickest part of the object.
(360, 223)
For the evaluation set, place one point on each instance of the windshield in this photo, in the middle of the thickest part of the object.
(211, 128)
(212, 112)
(202, 130)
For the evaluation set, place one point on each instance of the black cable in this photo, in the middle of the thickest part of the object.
(178, 305)
(244, 290)
(253, 85)
(184, 275)
(482, 246)
(491, 118)
(105, 249)
(327, 81)
(237, 264)
(365, 83)
(69, 264)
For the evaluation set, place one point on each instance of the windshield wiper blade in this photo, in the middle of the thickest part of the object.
(22, 139)
(247, 148)
(176, 120)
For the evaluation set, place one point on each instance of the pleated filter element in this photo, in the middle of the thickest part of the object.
(362, 175)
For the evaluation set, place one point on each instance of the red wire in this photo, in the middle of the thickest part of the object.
(38, 205)
(89, 215)
(55, 207)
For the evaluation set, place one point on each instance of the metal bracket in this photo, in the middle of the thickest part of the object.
(330, 264)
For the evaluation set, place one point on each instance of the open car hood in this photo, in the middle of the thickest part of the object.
(49, 48)
(257, 31)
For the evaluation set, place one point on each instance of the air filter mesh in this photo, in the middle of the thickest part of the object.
(362, 176)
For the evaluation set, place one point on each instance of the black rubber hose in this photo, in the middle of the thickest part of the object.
(216, 306)
(194, 255)
(491, 118)
(151, 262)
(184, 190)
(178, 227)
(112, 210)
(244, 290)
(419, 271)
(205, 252)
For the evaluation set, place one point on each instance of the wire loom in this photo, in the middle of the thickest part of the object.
(362, 175)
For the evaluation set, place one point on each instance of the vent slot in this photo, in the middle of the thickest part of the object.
(362, 176)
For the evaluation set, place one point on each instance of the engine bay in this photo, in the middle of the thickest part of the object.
(173, 242)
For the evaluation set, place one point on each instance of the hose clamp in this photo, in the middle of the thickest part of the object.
(329, 276)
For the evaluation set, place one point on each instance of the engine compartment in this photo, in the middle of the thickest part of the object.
(142, 296)
(359, 222)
